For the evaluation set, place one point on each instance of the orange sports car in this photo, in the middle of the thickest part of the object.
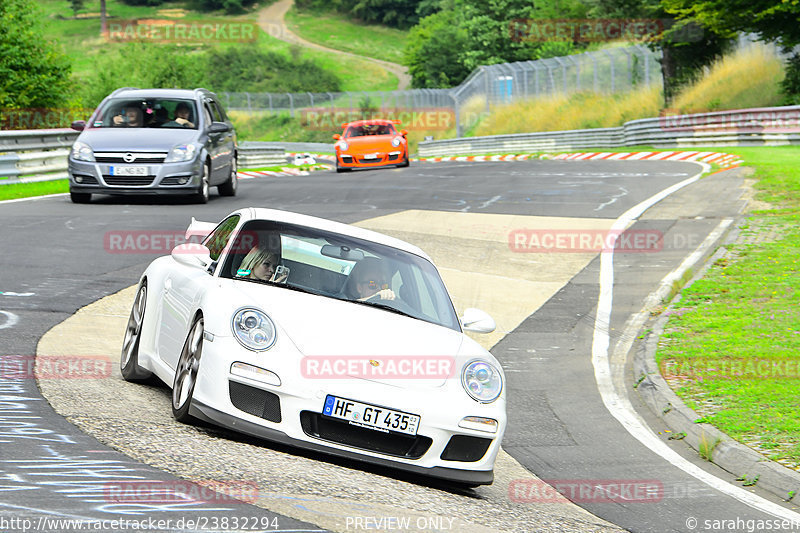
(371, 143)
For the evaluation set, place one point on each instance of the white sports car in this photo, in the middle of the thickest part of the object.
(324, 336)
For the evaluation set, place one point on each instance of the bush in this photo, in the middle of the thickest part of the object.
(249, 69)
(33, 72)
(145, 66)
(790, 86)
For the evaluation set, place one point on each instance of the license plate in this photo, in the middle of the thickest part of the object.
(128, 171)
(371, 156)
(370, 416)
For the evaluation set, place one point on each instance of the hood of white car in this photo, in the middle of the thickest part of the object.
(362, 342)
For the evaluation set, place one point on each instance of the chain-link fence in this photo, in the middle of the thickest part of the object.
(609, 70)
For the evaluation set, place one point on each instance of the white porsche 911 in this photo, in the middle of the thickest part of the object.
(324, 336)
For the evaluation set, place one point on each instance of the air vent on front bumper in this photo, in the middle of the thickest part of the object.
(257, 402)
(465, 448)
(398, 445)
(128, 181)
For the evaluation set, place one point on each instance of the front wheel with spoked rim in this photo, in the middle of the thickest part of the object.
(186, 372)
(129, 360)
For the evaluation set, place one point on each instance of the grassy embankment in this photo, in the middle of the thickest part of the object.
(732, 344)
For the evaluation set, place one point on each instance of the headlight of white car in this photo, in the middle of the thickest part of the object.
(82, 152)
(182, 152)
(482, 381)
(343, 146)
(253, 329)
(396, 141)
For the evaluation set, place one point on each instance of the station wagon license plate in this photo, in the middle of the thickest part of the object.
(128, 171)
(370, 416)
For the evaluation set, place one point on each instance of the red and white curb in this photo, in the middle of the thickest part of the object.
(250, 174)
(718, 158)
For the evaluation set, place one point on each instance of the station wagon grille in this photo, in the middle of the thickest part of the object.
(138, 157)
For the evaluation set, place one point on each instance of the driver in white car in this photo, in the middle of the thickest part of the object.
(370, 280)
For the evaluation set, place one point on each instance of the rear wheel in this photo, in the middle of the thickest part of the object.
(229, 187)
(186, 372)
(80, 197)
(129, 361)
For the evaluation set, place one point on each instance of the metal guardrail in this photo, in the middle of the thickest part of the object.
(743, 127)
(28, 156)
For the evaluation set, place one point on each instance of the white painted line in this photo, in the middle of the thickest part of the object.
(11, 319)
(617, 402)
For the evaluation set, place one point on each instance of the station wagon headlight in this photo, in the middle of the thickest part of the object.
(253, 329)
(396, 141)
(82, 152)
(182, 152)
(343, 146)
(482, 381)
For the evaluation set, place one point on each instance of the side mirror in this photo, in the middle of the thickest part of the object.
(477, 321)
(78, 125)
(218, 127)
(403, 132)
(336, 136)
(193, 255)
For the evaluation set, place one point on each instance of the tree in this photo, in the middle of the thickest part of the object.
(76, 6)
(433, 51)
(33, 71)
(772, 20)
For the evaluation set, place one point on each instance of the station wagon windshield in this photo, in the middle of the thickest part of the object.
(163, 113)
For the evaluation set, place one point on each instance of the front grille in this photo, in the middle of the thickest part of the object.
(257, 402)
(465, 448)
(341, 432)
(347, 159)
(393, 157)
(85, 179)
(128, 181)
(139, 157)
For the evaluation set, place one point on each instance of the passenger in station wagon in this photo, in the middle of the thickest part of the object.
(129, 117)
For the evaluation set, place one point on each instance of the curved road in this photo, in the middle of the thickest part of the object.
(271, 20)
(561, 426)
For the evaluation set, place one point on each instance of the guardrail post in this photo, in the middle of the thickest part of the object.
(291, 105)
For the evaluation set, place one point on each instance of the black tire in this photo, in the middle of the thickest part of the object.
(129, 359)
(229, 187)
(342, 169)
(80, 197)
(405, 163)
(204, 191)
(186, 372)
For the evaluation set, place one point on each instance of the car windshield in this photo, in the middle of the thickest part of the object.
(370, 129)
(341, 267)
(147, 113)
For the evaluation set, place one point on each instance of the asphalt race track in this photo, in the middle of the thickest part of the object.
(569, 422)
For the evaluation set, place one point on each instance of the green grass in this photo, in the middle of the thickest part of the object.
(81, 41)
(26, 190)
(738, 328)
(337, 31)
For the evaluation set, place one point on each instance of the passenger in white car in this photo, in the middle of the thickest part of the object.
(262, 264)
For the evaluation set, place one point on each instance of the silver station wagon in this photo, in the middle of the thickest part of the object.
(154, 141)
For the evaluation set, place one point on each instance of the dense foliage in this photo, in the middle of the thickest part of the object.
(395, 13)
(34, 73)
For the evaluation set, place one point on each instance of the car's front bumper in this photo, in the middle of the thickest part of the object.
(380, 159)
(297, 404)
(161, 178)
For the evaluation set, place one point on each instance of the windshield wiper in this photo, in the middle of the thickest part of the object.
(385, 307)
